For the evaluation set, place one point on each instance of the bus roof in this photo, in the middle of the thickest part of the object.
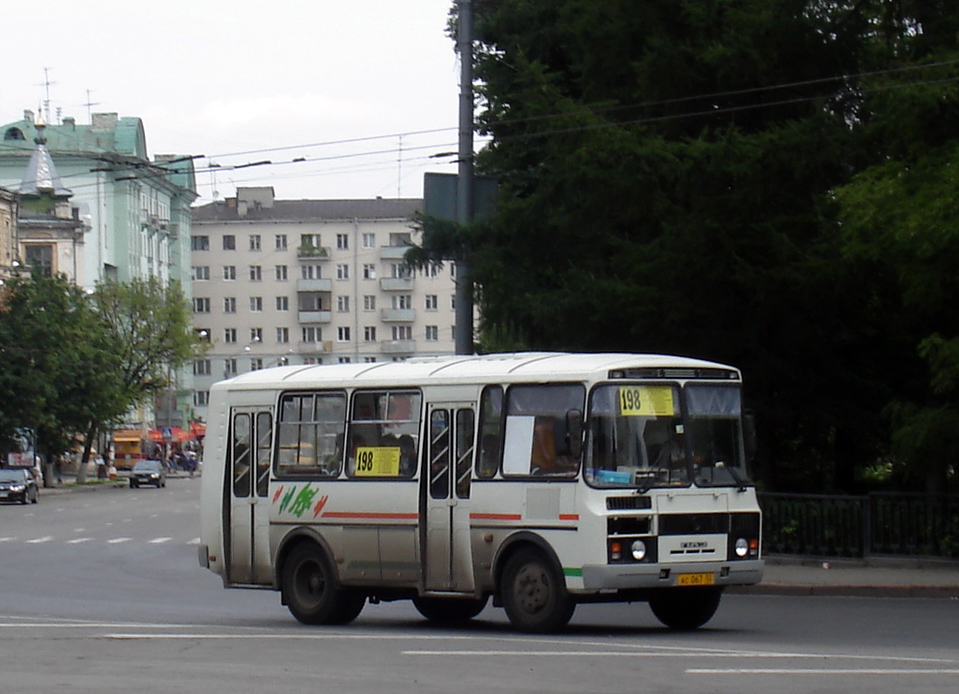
(512, 367)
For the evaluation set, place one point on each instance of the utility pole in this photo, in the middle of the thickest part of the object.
(464, 188)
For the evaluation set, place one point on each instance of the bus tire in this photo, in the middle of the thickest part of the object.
(684, 609)
(449, 610)
(534, 595)
(311, 591)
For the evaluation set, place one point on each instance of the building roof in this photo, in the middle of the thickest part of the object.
(296, 210)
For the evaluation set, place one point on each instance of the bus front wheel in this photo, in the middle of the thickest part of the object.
(534, 594)
(685, 608)
(311, 592)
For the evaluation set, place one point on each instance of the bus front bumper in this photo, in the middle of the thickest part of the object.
(603, 577)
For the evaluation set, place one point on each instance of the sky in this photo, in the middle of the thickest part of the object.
(365, 92)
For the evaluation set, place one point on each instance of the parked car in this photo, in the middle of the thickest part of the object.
(18, 484)
(148, 472)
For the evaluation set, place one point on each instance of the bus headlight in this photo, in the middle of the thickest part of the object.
(638, 549)
(742, 547)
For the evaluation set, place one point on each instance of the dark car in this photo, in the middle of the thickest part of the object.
(148, 472)
(18, 484)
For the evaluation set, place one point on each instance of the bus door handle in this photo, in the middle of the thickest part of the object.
(253, 500)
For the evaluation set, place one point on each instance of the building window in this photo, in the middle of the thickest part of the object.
(311, 272)
(369, 240)
(369, 360)
(229, 335)
(432, 302)
(281, 273)
(343, 304)
(201, 398)
(342, 272)
(256, 304)
(254, 242)
(256, 363)
(369, 333)
(282, 303)
(229, 304)
(369, 302)
(256, 273)
(200, 272)
(343, 334)
(229, 367)
(256, 334)
(402, 332)
(432, 333)
(229, 272)
(402, 301)
(312, 334)
(282, 335)
(200, 243)
(229, 242)
(344, 360)
(201, 367)
(400, 270)
(343, 242)
(201, 305)
(280, 242)
(369, 271)
(310, 240)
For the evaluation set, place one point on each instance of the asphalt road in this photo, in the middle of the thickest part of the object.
(101, 592)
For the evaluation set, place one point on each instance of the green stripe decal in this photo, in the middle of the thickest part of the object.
(572, 572)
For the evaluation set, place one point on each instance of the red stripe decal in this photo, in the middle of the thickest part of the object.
(496, 516)
(569, 516)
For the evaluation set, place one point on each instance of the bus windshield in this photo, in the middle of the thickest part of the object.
(639, 437)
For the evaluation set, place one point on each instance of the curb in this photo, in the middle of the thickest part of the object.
(847, 591)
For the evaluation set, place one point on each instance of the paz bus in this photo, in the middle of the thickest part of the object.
(537, 480)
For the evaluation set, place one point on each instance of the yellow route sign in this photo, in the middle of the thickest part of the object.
(378, 461)
(646, 401)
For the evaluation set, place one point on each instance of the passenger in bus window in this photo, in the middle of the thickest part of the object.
(407, 456)
(546, 459)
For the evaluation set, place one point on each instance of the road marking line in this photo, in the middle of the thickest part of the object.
(194, 541)
(39, 540)
(160, 540)
(7, 539)
(119, 540)
(821, 671)
(79, 540)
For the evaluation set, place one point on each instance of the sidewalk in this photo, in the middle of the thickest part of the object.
(905, 577)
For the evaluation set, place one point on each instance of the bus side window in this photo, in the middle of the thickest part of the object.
(491, 432)
(242, 467)
(464, 452)
(440, 454)
(264, 439)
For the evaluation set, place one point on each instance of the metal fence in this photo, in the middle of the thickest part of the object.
(861, 526)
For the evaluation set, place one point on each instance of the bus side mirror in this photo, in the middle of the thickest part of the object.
(574, 433)
(750, 437)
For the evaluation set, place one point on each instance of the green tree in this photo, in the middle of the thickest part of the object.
(148, 330)
(54, 362)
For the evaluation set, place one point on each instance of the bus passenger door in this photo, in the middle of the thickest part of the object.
(246, 496)
(448, 560)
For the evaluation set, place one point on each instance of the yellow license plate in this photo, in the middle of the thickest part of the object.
(695, 579)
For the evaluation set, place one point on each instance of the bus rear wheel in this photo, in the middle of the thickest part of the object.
(685, 608)
(449, 610)
(534, 595)
(311, 592)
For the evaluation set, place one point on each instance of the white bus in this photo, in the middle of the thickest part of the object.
(541, 480)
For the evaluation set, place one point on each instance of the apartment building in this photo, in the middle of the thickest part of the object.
(280, 282)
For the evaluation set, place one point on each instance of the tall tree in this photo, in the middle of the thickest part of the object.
(666, 171)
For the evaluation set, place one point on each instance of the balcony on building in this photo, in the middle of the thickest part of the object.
(317, 285)
(393, 252)
(314, 316)
(310, 348)
(398, 315)
(309, 252)
(396, 284)
(399, 347)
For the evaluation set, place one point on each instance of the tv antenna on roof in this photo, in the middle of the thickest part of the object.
(88, 104)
